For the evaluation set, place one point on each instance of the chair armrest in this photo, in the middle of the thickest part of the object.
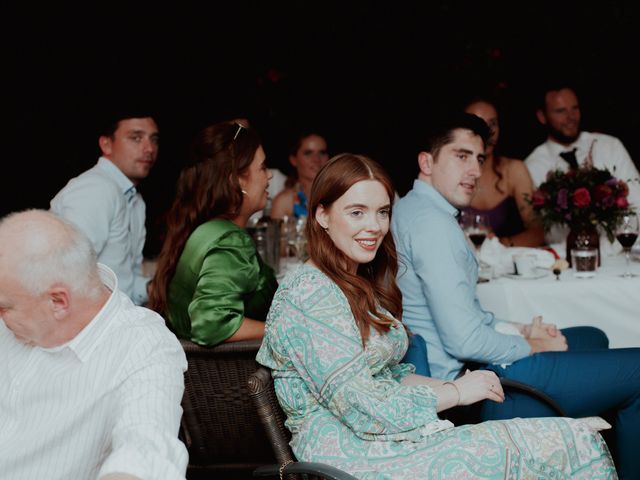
(540, 395)
(324, 471)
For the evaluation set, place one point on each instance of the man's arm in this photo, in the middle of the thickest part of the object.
(145, 440)
(538, 165)
(447, 271)
(626, 170)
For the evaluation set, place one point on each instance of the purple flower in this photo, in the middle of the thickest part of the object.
(608, 202)
(563, 198)
(612, 182)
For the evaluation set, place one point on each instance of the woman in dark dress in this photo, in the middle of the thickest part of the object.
(504, 189)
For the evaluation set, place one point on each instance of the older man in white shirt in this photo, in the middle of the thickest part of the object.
(91, 384)
(104, 203)
(567, 147)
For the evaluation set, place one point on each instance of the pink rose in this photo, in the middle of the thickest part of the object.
(581, 197)
(622, 202)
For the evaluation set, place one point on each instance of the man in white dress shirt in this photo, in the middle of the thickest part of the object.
(560, 112)
(104, 203)
(91, 383)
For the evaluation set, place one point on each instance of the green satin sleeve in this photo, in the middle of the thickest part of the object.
(232, 283)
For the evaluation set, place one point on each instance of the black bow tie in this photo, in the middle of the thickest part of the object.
(570, 157)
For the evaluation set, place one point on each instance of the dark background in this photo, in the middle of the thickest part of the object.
(370, 75)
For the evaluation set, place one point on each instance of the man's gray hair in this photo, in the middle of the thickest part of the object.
(49, 250)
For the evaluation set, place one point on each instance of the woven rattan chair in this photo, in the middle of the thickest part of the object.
(264, 398)
(263, 394)
(220, 425)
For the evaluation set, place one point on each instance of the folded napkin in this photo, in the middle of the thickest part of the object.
(500, 258)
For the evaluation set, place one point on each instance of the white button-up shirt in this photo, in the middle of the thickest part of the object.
(104, 204)
(107, 401)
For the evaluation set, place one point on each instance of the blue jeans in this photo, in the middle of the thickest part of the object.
(587, 380)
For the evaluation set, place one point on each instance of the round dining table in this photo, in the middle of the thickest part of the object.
(606, 300)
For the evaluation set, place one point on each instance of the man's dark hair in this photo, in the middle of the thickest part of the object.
(108, 124)
(441, 132)
(554, 85)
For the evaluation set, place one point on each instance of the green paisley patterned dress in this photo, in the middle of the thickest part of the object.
(345, 406)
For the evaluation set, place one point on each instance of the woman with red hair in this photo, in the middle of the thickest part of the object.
(334, 341)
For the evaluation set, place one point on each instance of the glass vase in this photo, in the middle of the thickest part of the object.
(583, 237)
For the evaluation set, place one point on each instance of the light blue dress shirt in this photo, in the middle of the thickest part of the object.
(104, 204)
(437, 276)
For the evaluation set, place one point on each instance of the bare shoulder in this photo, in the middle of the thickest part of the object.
(516, 175)
(516, 169)
(283, 203)
(286, 193)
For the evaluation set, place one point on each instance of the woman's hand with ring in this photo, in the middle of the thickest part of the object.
(479, 385)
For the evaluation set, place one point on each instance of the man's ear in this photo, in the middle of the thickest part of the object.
(59, 300)
(321, 217)
(105, 144)
(541, 116)
(425, 163)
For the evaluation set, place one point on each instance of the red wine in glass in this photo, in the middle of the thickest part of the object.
(627, 239)
(477, 238)
(627, 233)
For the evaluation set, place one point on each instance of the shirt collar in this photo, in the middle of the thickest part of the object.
(556, 149)
(423, 188)
(110, 169)
(85, 342)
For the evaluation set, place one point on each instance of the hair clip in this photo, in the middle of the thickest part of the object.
(240, 127)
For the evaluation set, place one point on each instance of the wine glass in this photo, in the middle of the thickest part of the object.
(476, 226)
(287, 245)
(627, 234)
(301, 239)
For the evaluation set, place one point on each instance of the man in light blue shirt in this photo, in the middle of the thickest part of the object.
(450, 337)
(437, 275)
(104, 203)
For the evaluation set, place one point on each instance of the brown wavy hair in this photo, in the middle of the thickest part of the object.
(207, 188)
(497, 157)
(374, 284)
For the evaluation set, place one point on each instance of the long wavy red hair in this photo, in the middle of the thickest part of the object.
(374, 284)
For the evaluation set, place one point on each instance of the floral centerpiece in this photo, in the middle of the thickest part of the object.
(584, 198)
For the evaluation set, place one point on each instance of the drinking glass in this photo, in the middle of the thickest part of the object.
(476, 226)
(300, 239)
(627, 234)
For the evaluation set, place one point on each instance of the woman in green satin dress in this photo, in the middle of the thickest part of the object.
(210, 284)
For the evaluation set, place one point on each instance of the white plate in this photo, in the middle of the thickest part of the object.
(540, 272)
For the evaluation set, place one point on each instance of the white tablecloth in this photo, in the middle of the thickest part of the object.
(606, 301)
